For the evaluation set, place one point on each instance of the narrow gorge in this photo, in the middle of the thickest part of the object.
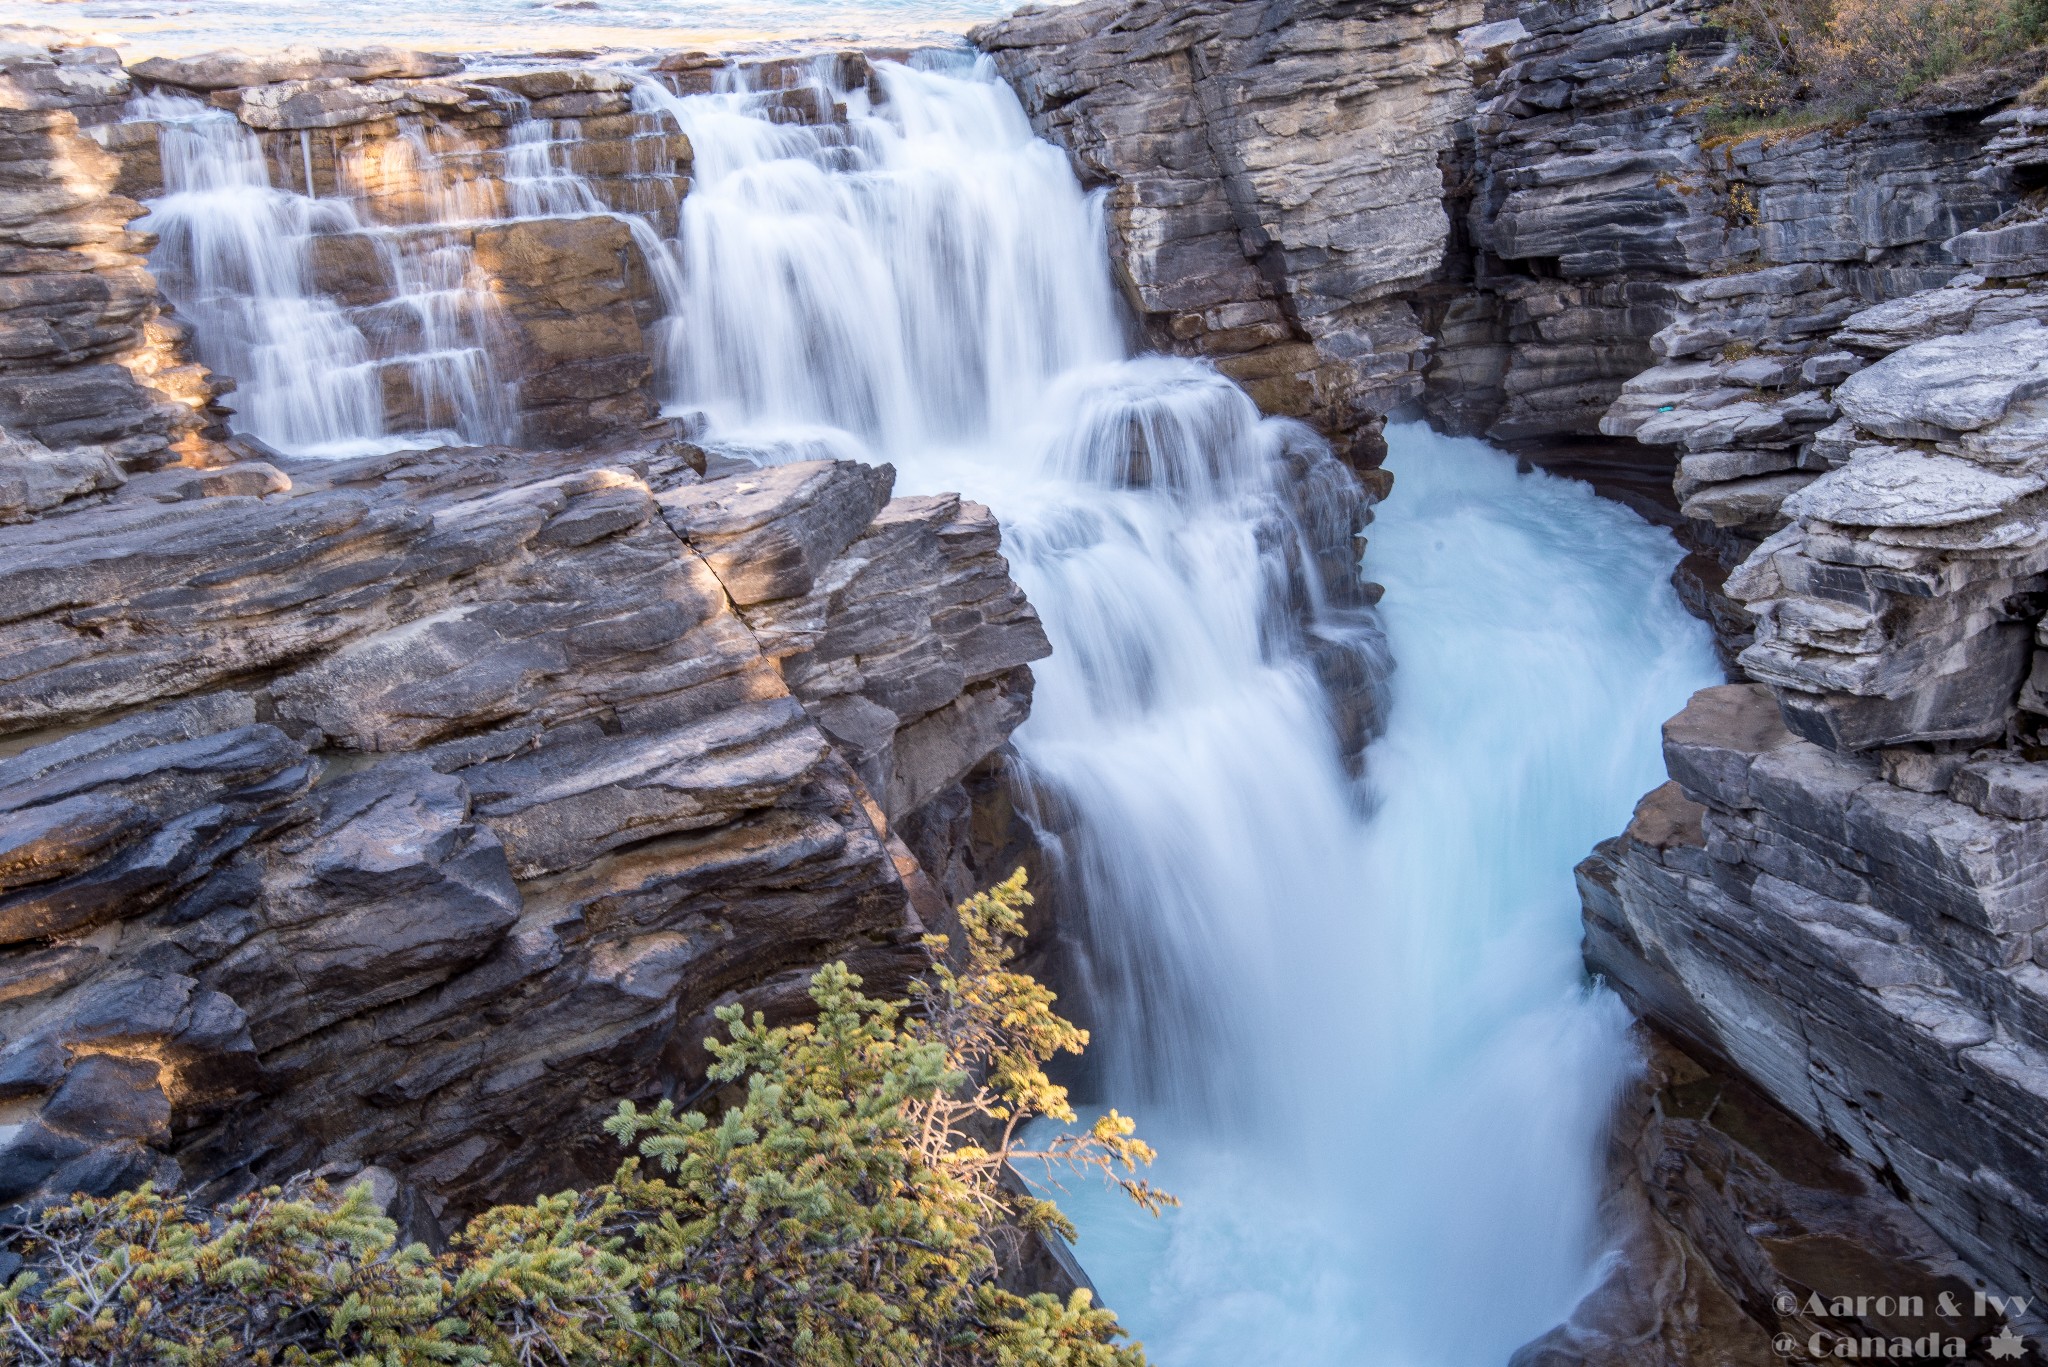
(504, 553)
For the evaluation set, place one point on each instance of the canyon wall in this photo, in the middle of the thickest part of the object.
(1273, 177)
(410, 810)
(1816, 354)
(406, 810)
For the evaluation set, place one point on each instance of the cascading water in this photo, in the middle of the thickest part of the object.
(1351, 1017)
(1362, 1042)
(1436, 1079)
(236, 255)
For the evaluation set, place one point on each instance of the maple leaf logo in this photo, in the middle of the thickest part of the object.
(2006, 1344)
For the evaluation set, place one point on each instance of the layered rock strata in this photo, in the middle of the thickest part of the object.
(1836, 897)
(1862, 951)
(1550, 210)
(1744, 393)
(1273, 180)
(92, 382)
(413, 813)
(1609, 230)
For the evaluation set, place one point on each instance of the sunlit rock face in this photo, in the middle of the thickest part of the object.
(88, 361)
(449, 793)
(1274, 179)
(413, 807)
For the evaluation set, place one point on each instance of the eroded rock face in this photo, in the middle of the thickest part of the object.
(1738, 1224)
(448, 793)
(1588, 197)
(1274, 179)
(1865, 953)
(89, 363)
(1838, 897)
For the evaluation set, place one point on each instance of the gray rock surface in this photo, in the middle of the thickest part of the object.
(1274, 178)
(1865, 954)
(463, 786)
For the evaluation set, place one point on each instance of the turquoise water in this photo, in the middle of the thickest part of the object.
(1414, 1179)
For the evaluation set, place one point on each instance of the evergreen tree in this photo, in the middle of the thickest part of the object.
(845, 1211)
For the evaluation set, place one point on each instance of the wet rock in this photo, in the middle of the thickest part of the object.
(1264, 215)
(570, 289)
(1733, 1219)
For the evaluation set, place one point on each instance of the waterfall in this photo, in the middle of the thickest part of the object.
(912, 280)
(238, 256)
(1348, 1010)
(1434, 1076)
(1354, 1022)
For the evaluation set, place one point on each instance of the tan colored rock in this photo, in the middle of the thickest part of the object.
(230, 68)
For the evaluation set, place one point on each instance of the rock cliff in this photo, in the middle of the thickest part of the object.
(1845, 897)
(409, 810)
(1274, 181)
(411, 813)
(1819, 351)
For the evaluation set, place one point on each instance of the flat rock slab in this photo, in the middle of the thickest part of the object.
(1948, 385)
(1890, 486)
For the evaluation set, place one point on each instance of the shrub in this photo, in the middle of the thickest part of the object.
(845, 1211)
(1838, 59)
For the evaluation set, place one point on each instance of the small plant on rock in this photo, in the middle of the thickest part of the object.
(1805, 64)
(846, 1211)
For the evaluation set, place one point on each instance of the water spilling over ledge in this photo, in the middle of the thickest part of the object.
(588, 424)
